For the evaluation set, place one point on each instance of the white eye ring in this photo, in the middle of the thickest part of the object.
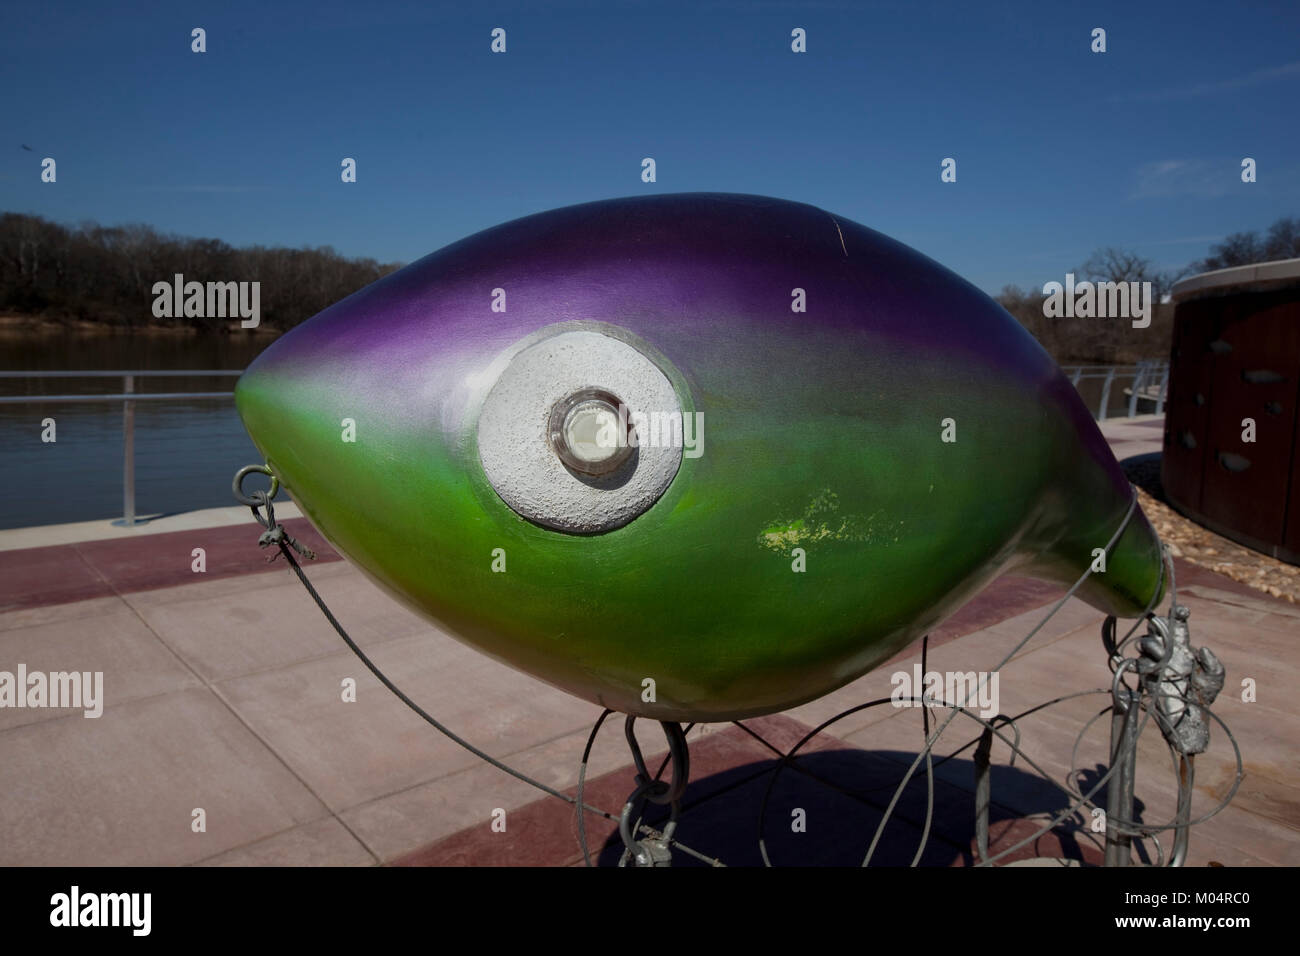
(556, 434)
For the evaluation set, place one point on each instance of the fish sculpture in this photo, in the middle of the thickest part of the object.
(692, 457)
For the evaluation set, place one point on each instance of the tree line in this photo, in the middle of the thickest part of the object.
(105, 274)
(1115, 341)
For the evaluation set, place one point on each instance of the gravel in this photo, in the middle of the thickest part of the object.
(1200, 546)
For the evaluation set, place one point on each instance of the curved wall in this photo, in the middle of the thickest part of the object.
(1236, 356)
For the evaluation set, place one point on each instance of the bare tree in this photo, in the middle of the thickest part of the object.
(1283, 240)
(1247, 248)
(1238, 249)
(1119, 265)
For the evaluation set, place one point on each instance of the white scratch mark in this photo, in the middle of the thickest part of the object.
(837, 229)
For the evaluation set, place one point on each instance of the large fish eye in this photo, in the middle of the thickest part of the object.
(557, 436)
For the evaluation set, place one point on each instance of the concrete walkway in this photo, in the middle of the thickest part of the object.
(223, 693)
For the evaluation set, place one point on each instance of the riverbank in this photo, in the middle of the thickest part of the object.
(14, 325)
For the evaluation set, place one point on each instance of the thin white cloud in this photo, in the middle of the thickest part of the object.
(1184, 240)
(1185, 177)
(200, 189)
(1257, 78)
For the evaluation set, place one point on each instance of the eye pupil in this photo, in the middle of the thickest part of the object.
(589, 430)
(589, 435)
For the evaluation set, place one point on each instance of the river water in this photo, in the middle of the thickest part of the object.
(185, 451)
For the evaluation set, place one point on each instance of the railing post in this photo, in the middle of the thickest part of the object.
(128, 454)
(128, 398)
(1105, 394)
(1139, 380)
(1164, 389)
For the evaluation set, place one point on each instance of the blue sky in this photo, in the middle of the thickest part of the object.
(1059, 150)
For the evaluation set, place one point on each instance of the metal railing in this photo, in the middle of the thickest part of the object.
(128, 397)
(1150, 383)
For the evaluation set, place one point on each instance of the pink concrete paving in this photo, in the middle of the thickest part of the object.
(58, 574)
(224, 692)
(1129, 437)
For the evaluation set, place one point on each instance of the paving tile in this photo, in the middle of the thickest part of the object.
(225, 631)
(166, 560)
(403, 822)
(119, 791)
(872, 686)
(199, 587)
(354, 752)
(1074, 616)
(1005, 598)
(35, 577)
(1193, 575)
(974, 653)
(1253, 601)
(133, 662)
(1134, 447)
(324, 842)
(48, 613)
(979, 650)
(59, 574)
